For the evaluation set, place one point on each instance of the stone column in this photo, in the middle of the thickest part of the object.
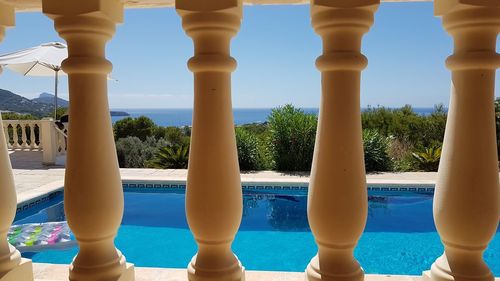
(213, 197)
(12, 266)
(48, 140)
(337, 201)
(6, 132)
(467, 196)
(93, 194)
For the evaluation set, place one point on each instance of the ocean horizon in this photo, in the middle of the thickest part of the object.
(179, 117)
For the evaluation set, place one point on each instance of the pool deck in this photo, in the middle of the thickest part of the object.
(34, 180)
(32, 183)
(53, 272)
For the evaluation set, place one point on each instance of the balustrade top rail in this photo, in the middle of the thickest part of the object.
(36, 5)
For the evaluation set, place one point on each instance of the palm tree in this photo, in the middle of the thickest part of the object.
(428, 159)
(171, 157)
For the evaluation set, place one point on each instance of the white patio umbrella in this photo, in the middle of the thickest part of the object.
(43, 60)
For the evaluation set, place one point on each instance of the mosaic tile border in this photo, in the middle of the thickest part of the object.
(26, 205)
(159, 186)
(263, 186)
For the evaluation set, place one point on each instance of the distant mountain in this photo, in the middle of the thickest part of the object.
(40, 107)
(49, 99)
(15, 103)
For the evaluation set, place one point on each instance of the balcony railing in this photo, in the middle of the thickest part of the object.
(22, 134)
(37, 136)
(467, 196)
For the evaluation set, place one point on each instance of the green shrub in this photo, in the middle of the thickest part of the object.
(258, 129)
(134, 153)
(400, 152)
(434, 127)
(59, 113)
(406, 125)
(170, 157)
(375, 148)
(174, 135)
(428, 158)
(141, 127)
(17, 116)
(291, 137)
(248, 150)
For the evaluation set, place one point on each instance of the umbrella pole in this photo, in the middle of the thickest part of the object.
(55, 95)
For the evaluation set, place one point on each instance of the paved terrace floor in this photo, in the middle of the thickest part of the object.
(33, 179)
(46, 272)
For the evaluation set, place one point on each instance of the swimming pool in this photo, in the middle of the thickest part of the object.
(400, 237)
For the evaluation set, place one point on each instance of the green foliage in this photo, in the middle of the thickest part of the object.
(400, 152)
(60, 112)
(258, 129)
(174, 135)
(394, 139)
(435, 125)
(248, 150)
(292, 135)
(134, 153)
(375, 147)
(406, 125)
(171, 157)
(17, 116)
(428, 158)
(141, 127)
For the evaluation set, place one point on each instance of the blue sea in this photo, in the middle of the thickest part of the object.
(183, 117)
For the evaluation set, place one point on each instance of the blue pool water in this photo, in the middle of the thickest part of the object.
(400, 237)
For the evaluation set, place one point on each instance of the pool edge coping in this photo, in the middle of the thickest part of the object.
(45, 192)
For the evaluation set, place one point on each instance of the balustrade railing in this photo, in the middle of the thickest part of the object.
(22, 134)
(61, 138)
(466, 205)
(37, 135)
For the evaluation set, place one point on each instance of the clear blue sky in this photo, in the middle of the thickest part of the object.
(275, 48)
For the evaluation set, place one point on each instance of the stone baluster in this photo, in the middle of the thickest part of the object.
(31, 128)
(6, 133)
(12, 266)
(337, 200)
(213, 197)
(93, 194)
(39, 146)
(24, 138)
(15, 135)
(467, 196)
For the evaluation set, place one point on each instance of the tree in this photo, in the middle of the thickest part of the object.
(141, 127)
(375, 148)
(248, 150)
(292, 135)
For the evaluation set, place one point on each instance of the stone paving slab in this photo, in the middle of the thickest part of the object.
(54, 272)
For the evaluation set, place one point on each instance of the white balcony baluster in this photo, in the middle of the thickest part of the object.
(15, 135)
(31, 128)
(12, 266)
(93, 194)
(6, 133)
(337, 202)
(214, 202)
(467, 196)
(24, 138)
